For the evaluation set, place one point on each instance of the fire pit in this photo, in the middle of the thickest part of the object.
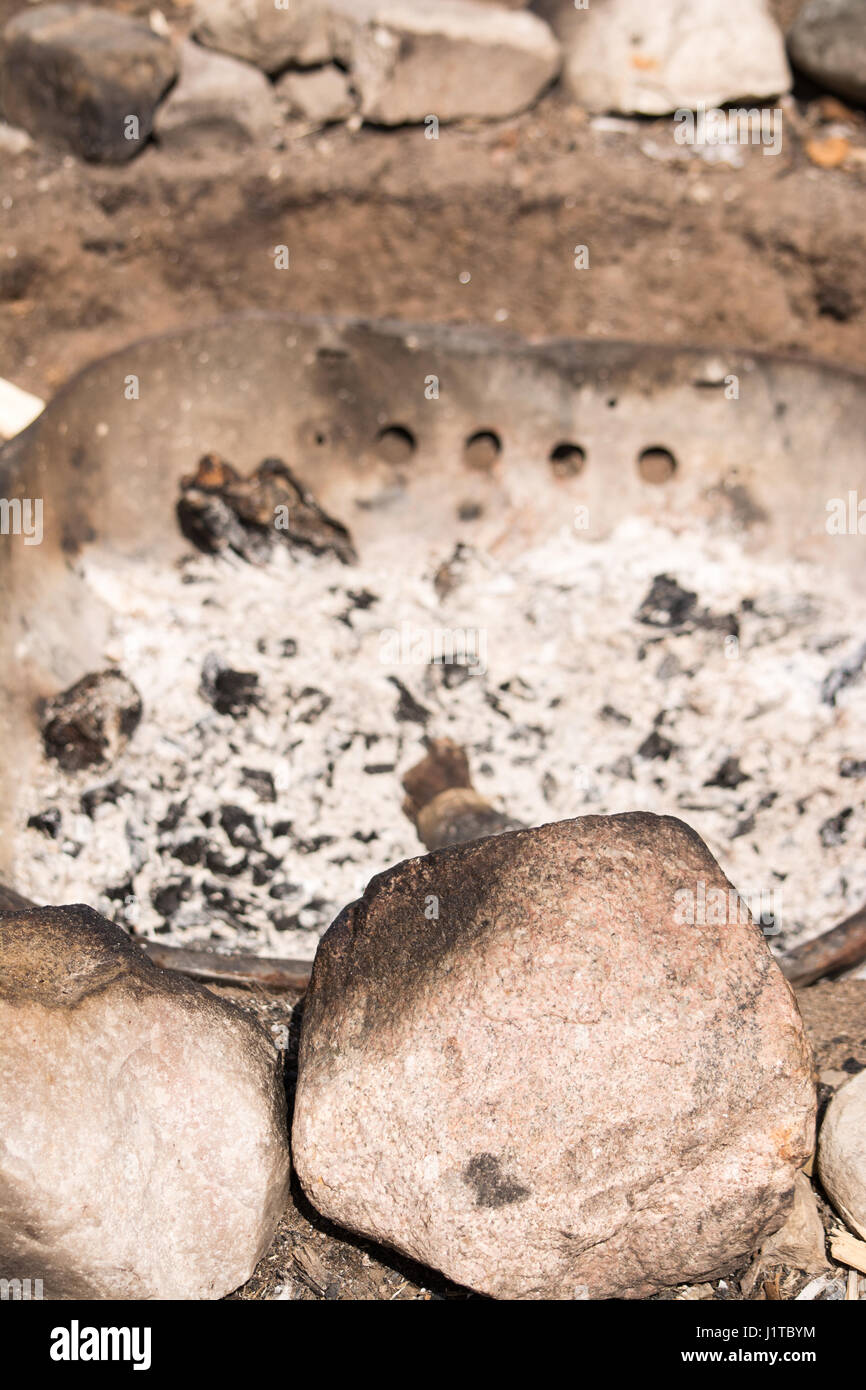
(620, 575)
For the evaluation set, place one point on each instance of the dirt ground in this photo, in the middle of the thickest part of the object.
(388, 223)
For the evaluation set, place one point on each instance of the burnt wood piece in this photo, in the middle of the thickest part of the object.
(236, 968)
(442, 802)
(840, 948)
(218, 510)
(445, 766)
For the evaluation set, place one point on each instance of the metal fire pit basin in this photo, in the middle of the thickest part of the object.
(760, 443)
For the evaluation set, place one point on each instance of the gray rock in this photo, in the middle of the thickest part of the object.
(84, 78)
(451, 59)
(216, 99)
(628, 56)
(828, 42)
(321, 95)
(448, 58)
(842, 1152)
(800, 1242)
(143, 1152)
(270, 35)
(523, 1064)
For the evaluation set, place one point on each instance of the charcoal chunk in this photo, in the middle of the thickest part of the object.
(408, 709)
(107, 795)
(611, 715)
(261, 782)
(48, 822)
(656, 745)
(170, 896)
(728, 774)
(845, 674)
(832, 832)
(224, 867)
(230, 692)
(240, 827)
(191, 852)
(667, 604)
(92, 721)
(220, 510)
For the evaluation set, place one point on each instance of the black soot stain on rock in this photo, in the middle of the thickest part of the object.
(493, 1188)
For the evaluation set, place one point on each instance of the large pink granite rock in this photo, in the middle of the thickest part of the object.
(521, 1064)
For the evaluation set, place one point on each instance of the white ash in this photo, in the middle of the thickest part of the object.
(574, 686)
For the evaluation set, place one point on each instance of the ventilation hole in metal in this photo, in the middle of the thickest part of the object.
(567, 460)
(395, 444)
(656, 465)
(482, 449)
